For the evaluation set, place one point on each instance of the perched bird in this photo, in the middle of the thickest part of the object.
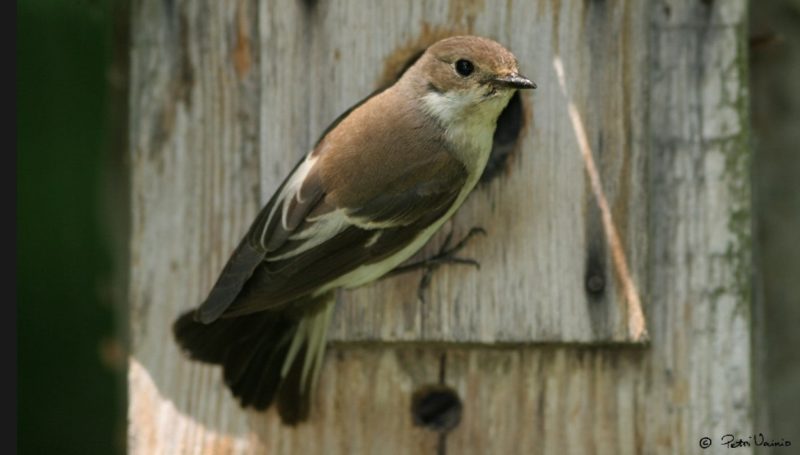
(377, 185)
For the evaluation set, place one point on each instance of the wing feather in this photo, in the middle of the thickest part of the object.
(330, 245)
(356, 199)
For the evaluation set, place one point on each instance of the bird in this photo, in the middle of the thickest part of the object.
(380, 181)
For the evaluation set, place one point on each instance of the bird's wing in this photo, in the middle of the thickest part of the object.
(245, 259)
(250, 252)
(305, 245)
(315, 230)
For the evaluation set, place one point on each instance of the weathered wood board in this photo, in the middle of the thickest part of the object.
(226, 96)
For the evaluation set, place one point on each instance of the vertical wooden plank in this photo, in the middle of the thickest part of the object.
(195, 178)
(700, 270)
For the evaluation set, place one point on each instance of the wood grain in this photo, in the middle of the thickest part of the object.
(226, 96)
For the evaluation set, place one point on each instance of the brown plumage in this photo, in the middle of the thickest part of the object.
(375, 188)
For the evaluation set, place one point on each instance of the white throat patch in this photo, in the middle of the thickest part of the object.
(469, 120)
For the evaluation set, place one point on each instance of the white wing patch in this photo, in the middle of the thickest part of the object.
(374, 239)
(325, 227)
(322, 229)
(290, 191)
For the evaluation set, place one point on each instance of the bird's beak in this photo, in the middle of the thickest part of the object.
(514, 80)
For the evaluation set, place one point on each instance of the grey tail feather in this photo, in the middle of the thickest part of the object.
(267, 357)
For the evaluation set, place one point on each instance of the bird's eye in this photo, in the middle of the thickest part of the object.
(464, 67)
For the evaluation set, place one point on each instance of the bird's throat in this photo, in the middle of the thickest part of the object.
(469, 121)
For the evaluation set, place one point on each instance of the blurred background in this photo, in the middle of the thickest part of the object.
(72, 217)
(775, 118)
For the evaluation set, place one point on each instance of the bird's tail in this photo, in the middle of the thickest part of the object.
(266, 357)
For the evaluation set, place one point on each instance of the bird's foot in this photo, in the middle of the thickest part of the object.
(445, 255)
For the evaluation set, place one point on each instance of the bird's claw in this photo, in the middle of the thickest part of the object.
(445, 255)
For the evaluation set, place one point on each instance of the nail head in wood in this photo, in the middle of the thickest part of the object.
(595, 284)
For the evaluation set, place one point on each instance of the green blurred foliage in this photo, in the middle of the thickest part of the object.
(68, 400)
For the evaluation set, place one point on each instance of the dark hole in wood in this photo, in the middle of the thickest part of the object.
(436, 407)
(509, 125)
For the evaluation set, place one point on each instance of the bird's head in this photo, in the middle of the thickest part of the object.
(466, 77)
